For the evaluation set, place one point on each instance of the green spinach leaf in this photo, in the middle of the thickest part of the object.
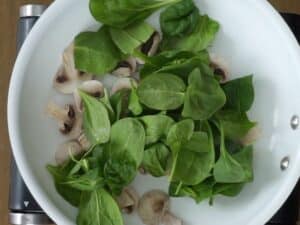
(156, 160)
(178, 134)
(96, 121)
(195, 159)
(227, 169)
(127, 141)
(161, 91)
(95, 52)
(156, 127)
(134, 104)
(119, 102)
(108, 11)
(59, 174)
(98, 208)
(236, 125)
(119, 173)
(202, 36)
(239, 93)
(179, 19)
(198, 192)
(129, 38)
(230, 190)
(180, 63)
(204, 96)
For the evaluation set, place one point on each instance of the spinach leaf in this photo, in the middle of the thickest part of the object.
(90, 181)
(156, 127)
(204, 96)
(59, 174)
(180, 63)
(98, 208)
(239, 93)
(227, 169)
(194, 160)
(127, 141)
(95, 52)
(96, 121)
(119, 173)
(106, 101)
(178, 134)
(108, 11)
(245, 158)
(202, 36)
(134, 104)
(129, 38)
(236, 125)
(179, 19)
(120, 102)
(198, 192)
(161, 91)
(156, 160)
(230, 190)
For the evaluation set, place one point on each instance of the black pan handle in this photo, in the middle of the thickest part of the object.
(24, 210)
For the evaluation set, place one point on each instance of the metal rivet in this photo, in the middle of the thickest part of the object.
(285, 162)
(295, 122)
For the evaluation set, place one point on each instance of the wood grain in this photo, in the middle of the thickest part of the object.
(9, 14)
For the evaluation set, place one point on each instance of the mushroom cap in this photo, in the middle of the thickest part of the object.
(170, 219)
(69, 119)
(253, 134)
(126, 68)
(220, 67)
(152, 207)
(128, 200)
(123, 83)
(83, 141)
(68, 77)
(64, 150)
(92, 87)
(150, 47)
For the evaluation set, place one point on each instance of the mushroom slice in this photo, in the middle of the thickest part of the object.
(91, 87)
(63, 152)
(152, 207)
(83, 141)
(123, 83)
(253, 134)
(128, 200)
(170, 219)
(70, 120)
(68, 77)
(220, 67)
(150, 47)
(126, 68)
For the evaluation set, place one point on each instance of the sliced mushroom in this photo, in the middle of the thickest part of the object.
(92, 87)
(68, 77)
(126, 68)
(170, 219)
(220, 67)
(83, 141)
(253, 134)
(152, 207)
(69, 119)
(150, 47)
(128, 200)
(123, 83)
(64, 151)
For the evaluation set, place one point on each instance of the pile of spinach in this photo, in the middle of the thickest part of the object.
(179, 121)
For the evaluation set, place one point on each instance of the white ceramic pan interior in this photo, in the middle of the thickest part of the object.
(253, 39)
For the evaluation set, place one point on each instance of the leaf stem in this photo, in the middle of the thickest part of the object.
(178, 188)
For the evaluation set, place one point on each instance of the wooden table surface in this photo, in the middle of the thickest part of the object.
(9, 14)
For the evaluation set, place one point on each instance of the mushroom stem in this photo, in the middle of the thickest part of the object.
(58, 113)
(128, 200)
(64, 151)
